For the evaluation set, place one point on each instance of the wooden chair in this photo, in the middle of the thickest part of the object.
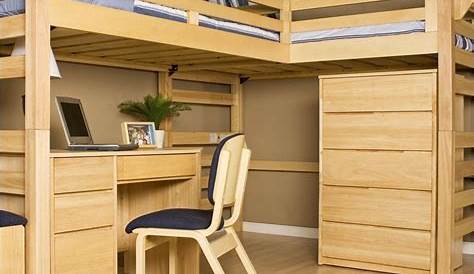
(216, 236)
(12, 243)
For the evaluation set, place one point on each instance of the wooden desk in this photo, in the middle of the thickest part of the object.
(95, 194)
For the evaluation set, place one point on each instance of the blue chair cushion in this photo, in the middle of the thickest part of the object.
(213, 169)
(11, 219)
(175, 218)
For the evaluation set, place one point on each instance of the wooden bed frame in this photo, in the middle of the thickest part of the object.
(82, 33)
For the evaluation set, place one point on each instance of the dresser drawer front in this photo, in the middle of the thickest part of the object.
(83, 210)
(85, 252)
(373, 206)
(83, 174)
(155, 166)
(413, 92)
(384, 169)
(379, 245)
(378, 130)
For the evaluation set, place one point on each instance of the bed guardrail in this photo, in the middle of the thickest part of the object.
(195, 8)
(427, 13)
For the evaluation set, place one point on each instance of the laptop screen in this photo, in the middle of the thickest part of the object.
(74, 119)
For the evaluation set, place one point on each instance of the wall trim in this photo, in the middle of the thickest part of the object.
(283, 230)
(468, 248)
(308, 232)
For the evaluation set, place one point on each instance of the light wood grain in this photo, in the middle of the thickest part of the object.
(223, 12)
(12, 141)
(297, 255)
(83, 211)
(362, 19)
(12, 174)
(315, 4)
(12, 26)
(149, 167)
(382, 169)
(202, 97)
(88, 251)
(12, 67)
(387, 246)
(348, 49)
(12, 250)
(137, 26)
(383, 207)
(83, 174)
(409, 92)
(397, 131)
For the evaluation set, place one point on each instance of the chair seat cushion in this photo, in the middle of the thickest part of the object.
(176, 218)
(11, 219)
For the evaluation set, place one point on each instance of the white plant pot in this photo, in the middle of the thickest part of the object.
(160, 138)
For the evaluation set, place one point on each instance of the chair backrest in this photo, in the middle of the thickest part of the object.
(234, 144)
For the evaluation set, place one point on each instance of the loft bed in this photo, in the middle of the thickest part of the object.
(90, 34)
(173, 34)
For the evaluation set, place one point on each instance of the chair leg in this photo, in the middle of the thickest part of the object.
(208, 253)
(173, 256)
(244, 258)
(140, 255)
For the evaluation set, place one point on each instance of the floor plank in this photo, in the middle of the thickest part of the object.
(283, 255)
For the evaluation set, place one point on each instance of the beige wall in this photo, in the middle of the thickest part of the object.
(100, 90)
(281, 124)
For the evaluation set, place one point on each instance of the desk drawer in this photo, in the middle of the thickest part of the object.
(372, 206)
(83, 174)
(379, 245)
(155, 166)
(83, 210)
(85, 252)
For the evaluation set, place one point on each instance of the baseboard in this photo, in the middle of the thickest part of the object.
(307, 232)
(468, 248)
(283, 230)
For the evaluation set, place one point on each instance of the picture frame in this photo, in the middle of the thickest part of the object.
(141, 133)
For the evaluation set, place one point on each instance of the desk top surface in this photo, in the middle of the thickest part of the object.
(166, 151)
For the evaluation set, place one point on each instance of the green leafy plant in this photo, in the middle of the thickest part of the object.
(153, 109)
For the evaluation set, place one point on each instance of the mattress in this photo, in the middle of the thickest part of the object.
(204, 21)
(358, 32)
(11, 7)
(14, 7)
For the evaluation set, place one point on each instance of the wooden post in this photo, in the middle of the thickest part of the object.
(37, 126)
(446, 151)
(431, 15)
(286, 18)
(165, 88)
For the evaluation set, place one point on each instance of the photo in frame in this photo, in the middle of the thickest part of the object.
(140, 133)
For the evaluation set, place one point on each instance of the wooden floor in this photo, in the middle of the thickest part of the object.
(278, 255)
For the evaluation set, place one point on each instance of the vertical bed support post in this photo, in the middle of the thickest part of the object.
(286, 18)
(165, 88)
(431, 15)
(37, 132)
(446, 151)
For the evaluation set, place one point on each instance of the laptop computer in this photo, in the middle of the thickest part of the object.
(76, 129)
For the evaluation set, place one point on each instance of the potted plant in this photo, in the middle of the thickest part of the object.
(154, 109)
